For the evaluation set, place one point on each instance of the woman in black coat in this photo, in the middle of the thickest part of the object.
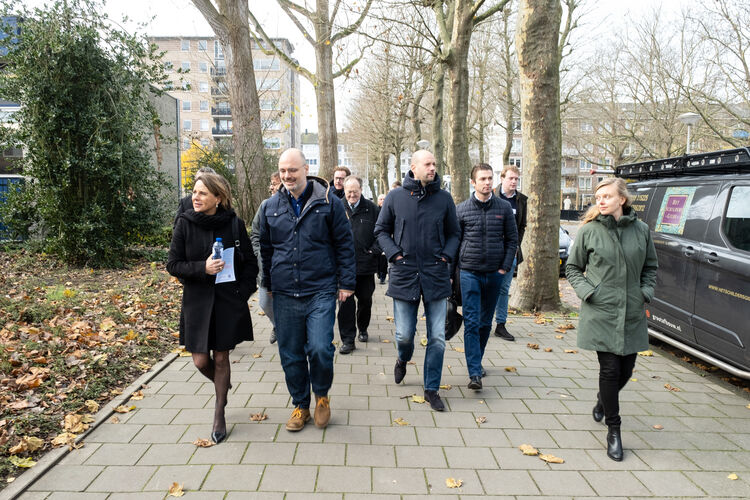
(216, 316)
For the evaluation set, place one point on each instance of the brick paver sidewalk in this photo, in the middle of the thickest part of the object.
(545, 402)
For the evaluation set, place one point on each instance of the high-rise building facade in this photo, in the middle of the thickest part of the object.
(198, 71)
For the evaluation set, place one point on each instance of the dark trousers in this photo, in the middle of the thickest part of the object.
(382, 267)
(614, 373)
(353, 315)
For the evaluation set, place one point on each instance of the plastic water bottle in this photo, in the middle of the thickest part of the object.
(217, 250)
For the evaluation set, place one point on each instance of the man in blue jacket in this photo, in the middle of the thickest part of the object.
(418, 231)
(307, 250)
(488, 246)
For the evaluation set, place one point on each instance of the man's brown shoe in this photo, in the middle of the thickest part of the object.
(297, 421)
(322, 411)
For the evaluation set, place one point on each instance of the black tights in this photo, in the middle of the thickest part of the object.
(614, 373)
(218, 371)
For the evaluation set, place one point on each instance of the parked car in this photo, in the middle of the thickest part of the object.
(565, 243)
(698, 209)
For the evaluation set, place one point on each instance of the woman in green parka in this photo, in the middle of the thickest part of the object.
(612, 268)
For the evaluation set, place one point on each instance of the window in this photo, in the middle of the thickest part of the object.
(268, 84)
(187, 125)
(203, 67)
(204, 105)
(169, 86)
(584, 183)
(584, 166)
(587, 128)
(185, 143)
(218, 51)
(266, 64)
(185, 65)
(273, 143)
(736, 225)
(186, 105)
(203, 86)
(184, 85)
(205, 142)
(272, 124)
(312, 161)
(185, 45)
(516, 145)
(202, 45)
(204, 125)
(267, 104)
(168, 67)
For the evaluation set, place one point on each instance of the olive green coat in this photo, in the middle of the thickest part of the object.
(612, 268)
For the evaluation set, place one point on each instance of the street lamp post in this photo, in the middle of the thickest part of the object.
(689, 119)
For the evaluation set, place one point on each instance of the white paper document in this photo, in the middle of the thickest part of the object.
(226, 275)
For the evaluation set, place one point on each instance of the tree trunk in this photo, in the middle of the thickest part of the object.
(537, 47)
(459, 163)
(324, 93)
(383, 172)
(230, 24)
(438, 113)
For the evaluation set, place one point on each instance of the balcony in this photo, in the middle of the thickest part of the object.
(221, 132)
(570, 171)
(219, 91)
(221, 111)
(568, 190)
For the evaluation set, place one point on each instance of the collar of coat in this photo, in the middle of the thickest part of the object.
(320, 192)
(219, 219)
(628, 217)
(414, 186)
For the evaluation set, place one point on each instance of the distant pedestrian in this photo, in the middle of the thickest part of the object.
(264, 298)
(354, 313)
(214, 304)
(486, 252)
(508, 192)
(307, 250)
(382, 260)
(337, 183)
(567, 203)
(418, 230)
(612, 268)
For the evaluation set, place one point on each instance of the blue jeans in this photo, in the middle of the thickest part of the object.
(304, 330)
(501, 310)
(405, 316)
(479, 293)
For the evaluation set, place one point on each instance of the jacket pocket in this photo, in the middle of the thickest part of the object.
(399, 232)
(441, 236)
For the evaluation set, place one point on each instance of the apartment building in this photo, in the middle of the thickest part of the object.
(197, 69)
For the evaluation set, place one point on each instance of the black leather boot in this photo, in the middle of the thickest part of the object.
(614, 443)
(598, 411)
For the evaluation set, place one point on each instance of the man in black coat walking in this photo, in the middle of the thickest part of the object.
(486, 253)
(418, 231)
(507, 191)
(362, 214)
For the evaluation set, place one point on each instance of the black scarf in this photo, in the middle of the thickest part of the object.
(218, 220)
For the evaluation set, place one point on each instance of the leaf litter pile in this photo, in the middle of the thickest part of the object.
(70, 340)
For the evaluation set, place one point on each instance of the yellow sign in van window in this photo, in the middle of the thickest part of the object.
(674, 210)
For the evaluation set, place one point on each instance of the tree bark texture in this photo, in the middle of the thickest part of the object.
(438, 113)
(537, 46)
(230, 24)
(324, 90)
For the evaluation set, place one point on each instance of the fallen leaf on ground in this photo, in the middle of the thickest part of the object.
(124, 409)
(24, 463)
(65, 438)
(446, 387)
(114, 419)
(458, 349)
(481, 420)
(529, 450)
(411, 362)
(547, 349)
(417, 399)
(646, 353)
(532, 346)
(571, 351)
(74, 423)
(261, 313)
(566, 326)
(670, 387)
(386, 341)
(401, 421)
(658, 427)
(634, 380)
(137, 396)
(510, 369)
(551, 459)
(453, 483)
(389, 318)
(257, 355)
(423, 341)
(203, 443)
(733, 476)
(748, 407)
(558, 337)
(481, 401)
(176, 490)
(258, 417)
(91, 405)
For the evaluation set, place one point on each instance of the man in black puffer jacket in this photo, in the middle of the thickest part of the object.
(418, 231)
(488, 246)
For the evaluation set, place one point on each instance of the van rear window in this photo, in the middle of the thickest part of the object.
(736, 225)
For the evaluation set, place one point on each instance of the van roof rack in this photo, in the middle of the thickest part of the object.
(728, 161)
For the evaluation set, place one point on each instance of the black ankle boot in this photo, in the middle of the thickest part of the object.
(614, 443)
(598, 411)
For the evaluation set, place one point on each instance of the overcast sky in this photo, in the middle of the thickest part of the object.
(180, 17)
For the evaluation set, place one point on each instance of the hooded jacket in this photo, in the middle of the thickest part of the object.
(419, 223)
(612, 268)
(307, 254)
(488, 235)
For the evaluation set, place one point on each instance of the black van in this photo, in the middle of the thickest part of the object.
(698, 209)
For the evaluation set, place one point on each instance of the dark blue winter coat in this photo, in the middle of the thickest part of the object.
(311, 253)
(418, 223)
(488, 235)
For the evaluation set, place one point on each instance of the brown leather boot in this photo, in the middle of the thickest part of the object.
(322, 411)
(298, 419)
